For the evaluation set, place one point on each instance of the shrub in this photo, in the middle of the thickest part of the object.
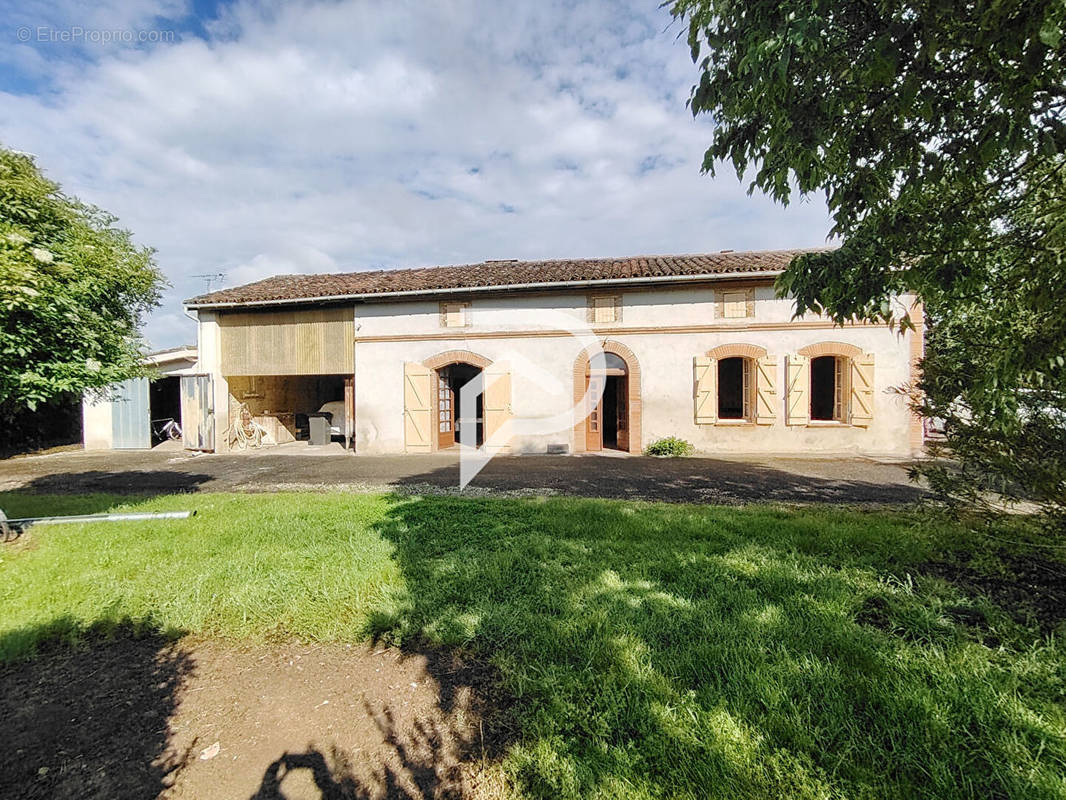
(670, 446)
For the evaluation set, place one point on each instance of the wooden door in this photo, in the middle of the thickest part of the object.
(622, 411)
(594, 420)
(445, 410)
(198, 412)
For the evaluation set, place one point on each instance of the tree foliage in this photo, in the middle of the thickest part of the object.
(935, 130)
(74, 290)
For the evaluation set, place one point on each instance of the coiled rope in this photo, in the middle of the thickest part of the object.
(247, 432)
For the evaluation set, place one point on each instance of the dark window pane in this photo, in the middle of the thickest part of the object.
(823, 387)
(731, 388)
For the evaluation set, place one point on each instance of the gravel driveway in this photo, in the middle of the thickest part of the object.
(700, 480)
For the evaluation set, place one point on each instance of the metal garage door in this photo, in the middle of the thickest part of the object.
(130, 423)
(198, 412)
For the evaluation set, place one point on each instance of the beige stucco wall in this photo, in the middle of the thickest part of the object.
(664, 327)
(379, 385)
(666, 390)
(640, 307)
(388, 334)
(96, 424)
(668, 404)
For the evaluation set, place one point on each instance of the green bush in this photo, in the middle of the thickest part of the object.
(670, 446)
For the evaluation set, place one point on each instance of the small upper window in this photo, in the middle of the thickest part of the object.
(454, 315)
(737, 304)
(605, 309)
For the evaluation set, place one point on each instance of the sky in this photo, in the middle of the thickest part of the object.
(244, 140)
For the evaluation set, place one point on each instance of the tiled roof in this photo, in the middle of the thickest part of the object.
(296, 288)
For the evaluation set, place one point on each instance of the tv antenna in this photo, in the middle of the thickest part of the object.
(211, 278)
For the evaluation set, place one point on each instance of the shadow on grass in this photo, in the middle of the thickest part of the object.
(89, 719)
(658, 650)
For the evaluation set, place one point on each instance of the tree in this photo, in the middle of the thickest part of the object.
(935, 130)
(74, 290)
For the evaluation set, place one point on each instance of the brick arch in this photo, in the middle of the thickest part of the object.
(443, 360)
(581, 369)
(453, 356)
(737, 351)
(831, 349)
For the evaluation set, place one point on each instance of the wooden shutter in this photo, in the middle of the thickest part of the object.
(594, 412)
(766, 390)
(349, 411)
(416, 407)
(454, 315)
(747, 378)
(734, 305)
(704, 373)
(497, 404)
(862, 390)
(840, 388)
(798, 379)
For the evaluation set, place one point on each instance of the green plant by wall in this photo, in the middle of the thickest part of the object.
(670, 446)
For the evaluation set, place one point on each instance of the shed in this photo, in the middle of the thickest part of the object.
(137, 409)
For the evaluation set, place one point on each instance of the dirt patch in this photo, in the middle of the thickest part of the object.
(140, 717)
(1030, 588)
(90, 721)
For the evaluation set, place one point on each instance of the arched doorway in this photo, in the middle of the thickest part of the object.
(609, 418)
(451, 371)
(450, 422)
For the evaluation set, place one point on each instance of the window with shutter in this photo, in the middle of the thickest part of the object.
(736, 303)
(733, 393)
(605, 309)
(827, 388)
(454, 315)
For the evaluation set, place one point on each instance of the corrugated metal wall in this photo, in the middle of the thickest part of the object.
(130, 423)
(311, 342)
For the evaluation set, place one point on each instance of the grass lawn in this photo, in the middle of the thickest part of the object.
(653, 650)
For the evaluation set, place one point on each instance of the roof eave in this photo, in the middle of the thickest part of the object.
(413, 293)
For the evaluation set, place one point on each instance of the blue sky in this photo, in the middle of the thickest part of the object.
(250, 139)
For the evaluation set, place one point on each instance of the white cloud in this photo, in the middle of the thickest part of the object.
(340, 136)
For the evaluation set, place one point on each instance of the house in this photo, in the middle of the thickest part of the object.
(694, 346)
(124, 418)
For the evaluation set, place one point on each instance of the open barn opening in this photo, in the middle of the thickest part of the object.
(268, 410)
